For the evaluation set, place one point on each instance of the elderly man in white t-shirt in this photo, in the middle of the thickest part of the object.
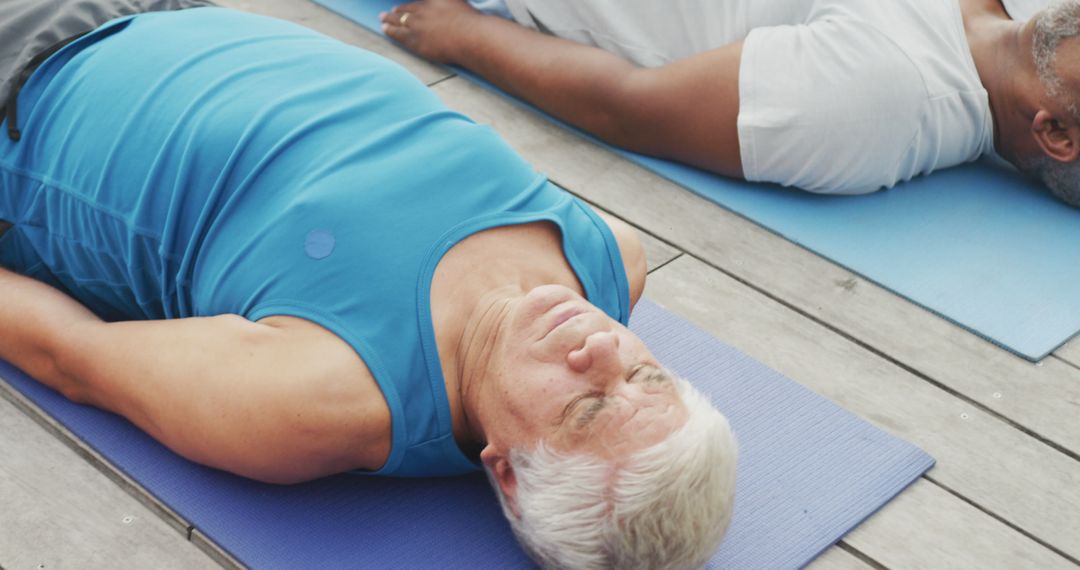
(831, 96)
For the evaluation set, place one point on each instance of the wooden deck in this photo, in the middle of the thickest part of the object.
(1005, 493)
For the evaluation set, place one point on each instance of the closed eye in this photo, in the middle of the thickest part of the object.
(640, 373)
(573, 405)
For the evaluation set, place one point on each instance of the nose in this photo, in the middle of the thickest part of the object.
(599, 357)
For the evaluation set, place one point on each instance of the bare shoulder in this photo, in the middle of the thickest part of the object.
(632, 251)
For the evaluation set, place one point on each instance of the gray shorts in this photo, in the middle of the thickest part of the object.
(30, 27)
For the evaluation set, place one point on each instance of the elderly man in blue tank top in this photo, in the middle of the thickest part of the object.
(829, 96)
(281, 256)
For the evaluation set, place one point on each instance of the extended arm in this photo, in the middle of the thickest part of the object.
(275, 403)
(685, 111)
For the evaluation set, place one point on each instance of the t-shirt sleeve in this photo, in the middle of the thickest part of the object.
(832, 107)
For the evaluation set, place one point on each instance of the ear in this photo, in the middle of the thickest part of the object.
(1059, 139)
(498, 464)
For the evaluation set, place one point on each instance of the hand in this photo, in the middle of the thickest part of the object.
(433, 29)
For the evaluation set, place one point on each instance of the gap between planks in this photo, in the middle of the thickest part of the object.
(80, 510)
(95, 459)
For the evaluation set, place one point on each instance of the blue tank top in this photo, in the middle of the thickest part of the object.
(247, 165)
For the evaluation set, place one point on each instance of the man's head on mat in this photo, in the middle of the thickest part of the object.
(1039, 125)
(600, 457)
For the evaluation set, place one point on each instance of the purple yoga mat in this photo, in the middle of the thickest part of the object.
(809, 471)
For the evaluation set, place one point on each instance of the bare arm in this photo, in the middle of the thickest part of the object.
(685, 111)
(277, 403)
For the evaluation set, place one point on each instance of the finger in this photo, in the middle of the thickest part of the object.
(400, 16)
(400, 10)
(395, 32)
(393, 17)
(391, 23)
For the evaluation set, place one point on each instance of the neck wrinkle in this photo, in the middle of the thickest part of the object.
(478, 339)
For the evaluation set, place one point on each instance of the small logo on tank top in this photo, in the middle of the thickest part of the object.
(319, 244)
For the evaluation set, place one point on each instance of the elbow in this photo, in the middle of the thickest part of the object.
(57, 373)
(63, 366)
(616, 122)
(624, 113)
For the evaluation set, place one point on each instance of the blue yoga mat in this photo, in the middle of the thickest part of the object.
(808, 472)
(978, 244)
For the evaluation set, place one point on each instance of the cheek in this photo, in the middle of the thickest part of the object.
(535, 392)
(634, 350)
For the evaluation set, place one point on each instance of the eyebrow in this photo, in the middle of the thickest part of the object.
(573, 403)
(590, 413)
(657, 374)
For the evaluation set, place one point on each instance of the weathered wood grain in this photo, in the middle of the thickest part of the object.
(981, 457)
(657, 253)
(926, 527)
(1070, 352)
(92, 457)
(57, 511)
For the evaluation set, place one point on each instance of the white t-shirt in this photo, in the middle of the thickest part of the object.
(836, 96)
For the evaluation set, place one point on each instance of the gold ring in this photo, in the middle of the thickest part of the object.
(404, 18)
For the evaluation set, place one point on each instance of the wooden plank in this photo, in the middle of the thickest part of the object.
(657, 253)
(56, 510)
(92, 457)
(1042, 398)
(981, 457)
(837, 558)
(1070, 352)
(322, 20)
(927, 527)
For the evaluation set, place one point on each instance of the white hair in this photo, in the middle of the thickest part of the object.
(666, 506)
(1055, 24)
